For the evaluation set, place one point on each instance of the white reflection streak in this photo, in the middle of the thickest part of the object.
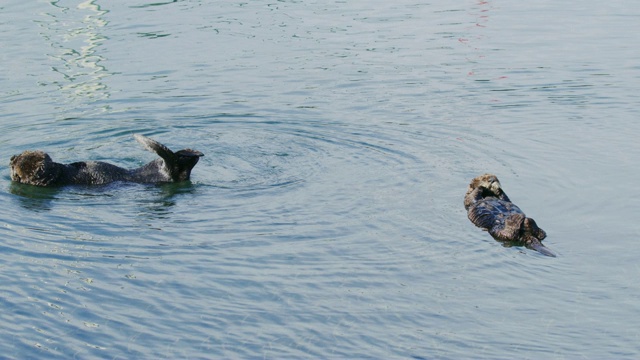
(77, 51)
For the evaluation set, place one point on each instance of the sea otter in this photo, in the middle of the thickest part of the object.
(37, 168)
(488, 207)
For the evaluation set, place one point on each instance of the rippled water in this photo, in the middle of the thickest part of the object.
(326, 218)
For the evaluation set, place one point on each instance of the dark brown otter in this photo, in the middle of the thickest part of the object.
(489, 208)
(37, 168)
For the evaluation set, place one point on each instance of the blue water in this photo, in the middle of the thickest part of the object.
(326, 218)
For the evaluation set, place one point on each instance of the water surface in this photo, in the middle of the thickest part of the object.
(326, 218)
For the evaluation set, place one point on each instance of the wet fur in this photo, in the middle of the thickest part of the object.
(37, 168)
(489, 208)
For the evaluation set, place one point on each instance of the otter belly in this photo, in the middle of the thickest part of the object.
(93, 173)
(491, 213)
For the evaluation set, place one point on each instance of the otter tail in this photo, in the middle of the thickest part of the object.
(536, 245)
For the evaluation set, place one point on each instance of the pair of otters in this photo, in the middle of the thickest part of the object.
(487, 205)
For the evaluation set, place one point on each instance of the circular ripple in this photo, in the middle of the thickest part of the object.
(261, 154)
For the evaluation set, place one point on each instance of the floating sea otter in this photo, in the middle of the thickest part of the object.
(488, 207)
(37, 168)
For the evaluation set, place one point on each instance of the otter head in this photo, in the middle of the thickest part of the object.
(34, 168)
(185, 161)
(487, 181)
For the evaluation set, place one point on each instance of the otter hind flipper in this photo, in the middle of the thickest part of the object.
(177, 165)
(152, 145)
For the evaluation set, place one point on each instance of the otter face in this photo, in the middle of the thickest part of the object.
(34, 168)
(487, 181)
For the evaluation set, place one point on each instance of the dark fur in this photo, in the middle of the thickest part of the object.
(489, 208)
(37, 168)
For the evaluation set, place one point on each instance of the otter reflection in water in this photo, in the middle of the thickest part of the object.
(37, 168)
(488, 207)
